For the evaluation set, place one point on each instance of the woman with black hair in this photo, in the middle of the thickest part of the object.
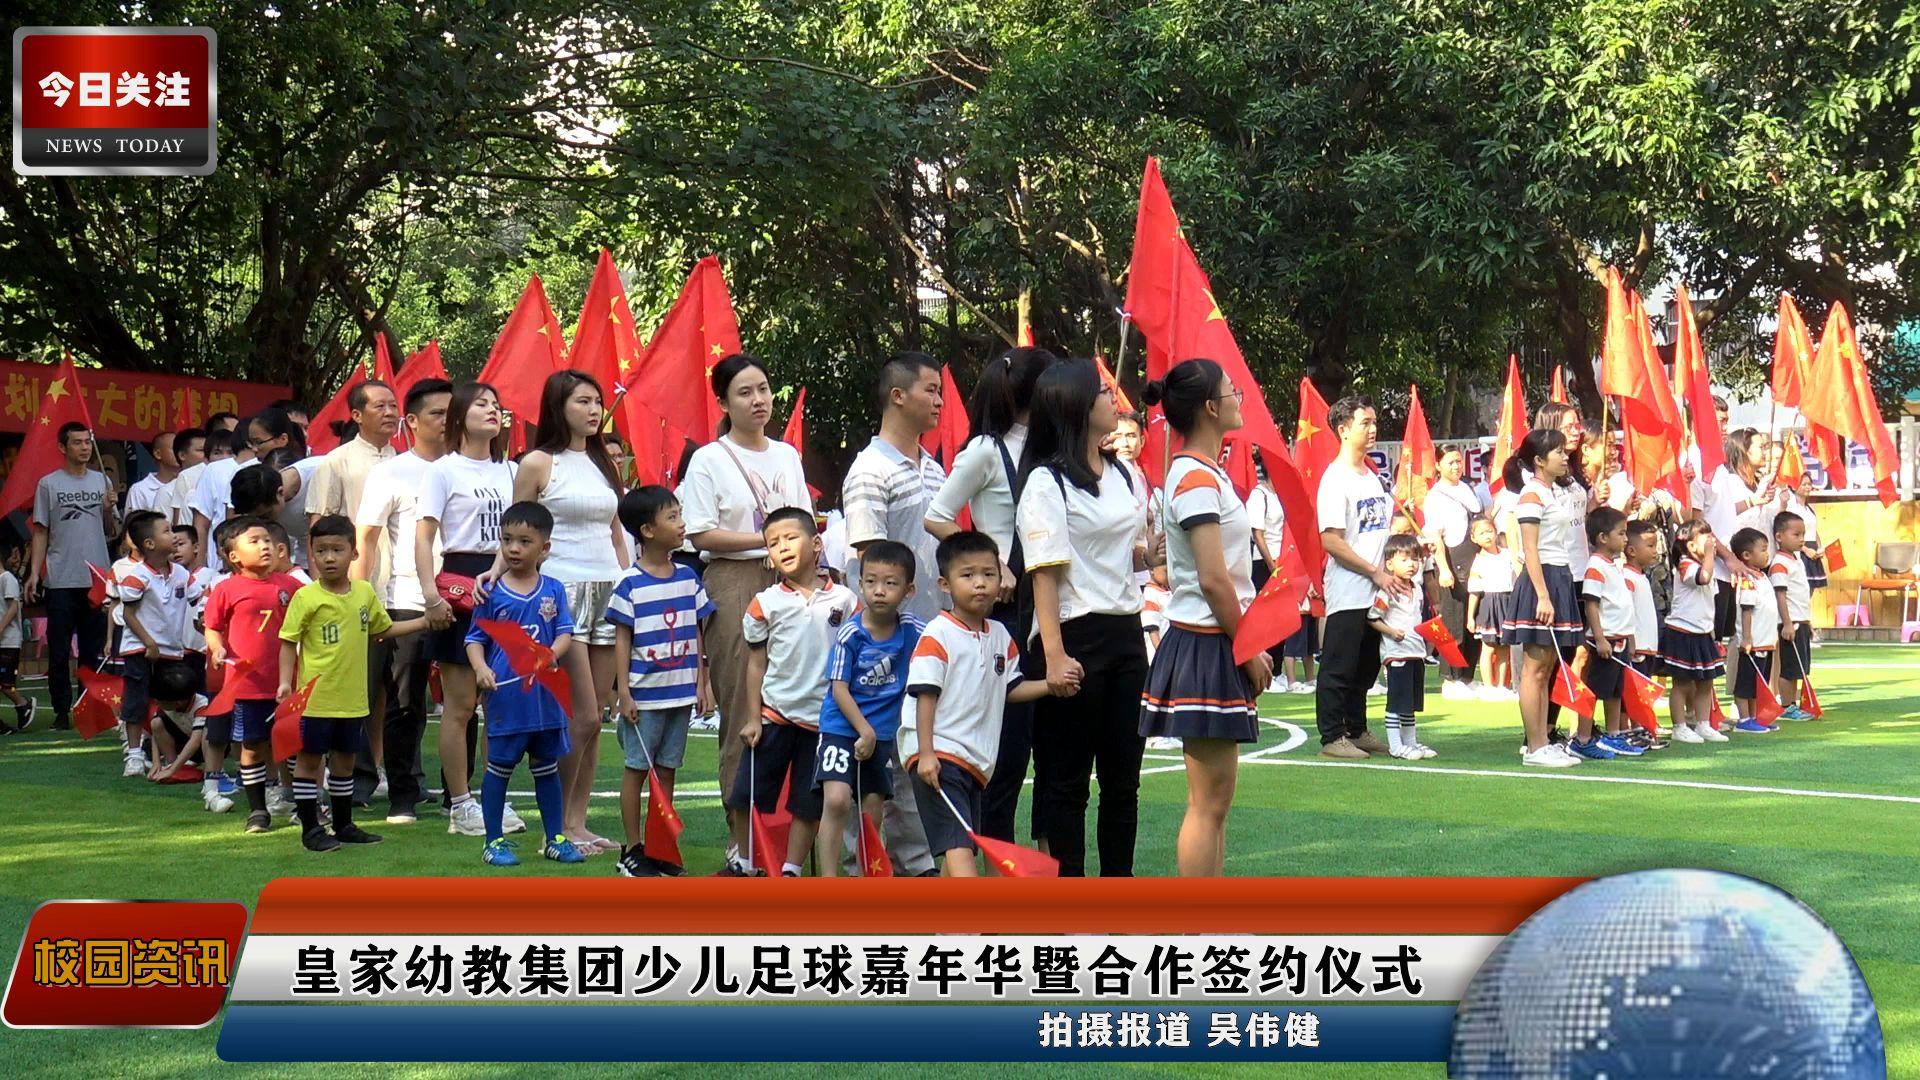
(731, 484)
(571, 474)
(281, 443)
(982, 482)
(1080, 525)
(1195, 691)
(1543, 611)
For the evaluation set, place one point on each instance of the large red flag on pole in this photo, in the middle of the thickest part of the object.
(1418, 465)
(668, 389)
(1693, 383)
(320, 436)
(531, 346)
(41, 452)
(945, 441)
(1170, 300)
(425, 364)
(1315, 444)
(1839, 398)
(1630, 369)
(1792, 363)
(1513, 424)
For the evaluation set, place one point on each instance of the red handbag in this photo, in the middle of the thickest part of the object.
(458, 589)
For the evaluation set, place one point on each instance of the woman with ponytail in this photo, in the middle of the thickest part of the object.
(1543, 610)
(1080, 531)
(981, 482)
(1195, 691)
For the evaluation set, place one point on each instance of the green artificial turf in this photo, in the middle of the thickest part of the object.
(70, 826)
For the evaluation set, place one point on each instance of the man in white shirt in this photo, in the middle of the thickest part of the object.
(1355, 512)
(387, 518)
(213, 492)
(885, 497)
(154, 491)
(342, 476)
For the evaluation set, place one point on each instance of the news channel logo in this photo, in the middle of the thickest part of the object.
(1669, 973)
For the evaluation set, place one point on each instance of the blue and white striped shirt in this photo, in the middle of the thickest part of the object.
(664, 615)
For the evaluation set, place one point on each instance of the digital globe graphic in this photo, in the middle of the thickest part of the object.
(1669, 973)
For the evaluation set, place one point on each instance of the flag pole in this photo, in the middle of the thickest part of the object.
(1120, 356)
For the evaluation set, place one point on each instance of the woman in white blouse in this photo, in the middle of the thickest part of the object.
(982, 483)
(731, 485)
(570, 473)
(1080, 525)
(465, 491)
(1450, 506)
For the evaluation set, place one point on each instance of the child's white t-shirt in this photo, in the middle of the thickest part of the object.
(797, 630)
(11, 637)
(1604, 582)
(1401, 613)
(1646, 616)
(1692, 610)
(1789, 572)
(972, 672)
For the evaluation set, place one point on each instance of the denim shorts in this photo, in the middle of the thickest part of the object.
(657, 737)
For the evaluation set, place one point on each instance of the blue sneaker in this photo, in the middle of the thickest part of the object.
(1753, 726)
(1620, 745)
(1593, 748)
(499, 853)
(228, 785)
(1795, 712)
(561, 849)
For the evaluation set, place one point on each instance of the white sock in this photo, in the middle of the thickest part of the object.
(1406, 732)
(1395, 740)
(461, 800)
(790, 868)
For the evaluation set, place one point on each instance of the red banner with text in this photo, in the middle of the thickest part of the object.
(131, 405)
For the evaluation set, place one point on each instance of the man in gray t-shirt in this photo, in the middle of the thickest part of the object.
(72, 515)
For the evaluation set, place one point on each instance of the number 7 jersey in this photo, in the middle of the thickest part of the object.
(248, 612)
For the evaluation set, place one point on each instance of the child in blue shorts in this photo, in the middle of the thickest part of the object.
(524, 719)
(657, 611)
(867, 673)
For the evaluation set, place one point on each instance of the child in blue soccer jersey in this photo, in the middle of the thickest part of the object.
(523, 718)
(657, 611)
(867, 681)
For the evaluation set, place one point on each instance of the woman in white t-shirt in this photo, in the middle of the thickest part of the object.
(1743, 497)
(1195, 691)
(570, 473)
(981, 482)
(731, 484)
(1080, 525)
(1543, 616)
(462, 497)
(1450, 507)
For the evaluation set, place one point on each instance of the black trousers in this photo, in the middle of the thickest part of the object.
(1349, 663)
(1094, 732)
(1453, 611)
(69, 615)
(1001, 801)
(399, 670)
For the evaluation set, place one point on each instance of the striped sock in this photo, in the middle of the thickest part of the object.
(1407, 725)
(340, 793)
(254, 779)
(306, 802)
(1395, 737)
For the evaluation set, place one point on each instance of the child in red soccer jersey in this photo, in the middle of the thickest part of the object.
(243, 619)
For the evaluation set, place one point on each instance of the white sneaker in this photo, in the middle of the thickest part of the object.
(1708, 733)
(1425, 751)
(380, 789)
(465, 820)
(510, 821)
(1377, 690)
(1685, 733)
(1454, 689)
(1163, 742)
(217, 803)
(1549, 756)
(1404, 753)
(709, 722)
(136, 765)
(1311, 686)
(278, 805)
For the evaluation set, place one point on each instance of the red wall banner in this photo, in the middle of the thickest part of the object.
(130, 405)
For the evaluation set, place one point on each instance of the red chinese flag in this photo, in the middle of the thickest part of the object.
(320, 436)
(1559, 384)
(769, 844)
(1693, 383)
(796, 433)
(531, 346)
(101, 696)
(1442, 641)
(1236, 460)
(1839, 398)
(874, 861)
(944, 441)
(1315, 444)
(433, 685)
(1835, 556)
(1570, 693)
(1026, 334)
(1766, 703)
(1418, 466)
(530, 661)
(286, 721)
(185, 773)
(1793, 468)
(1171, 300)
(1641, 694)
(425, 364)
(605, 343)
(97, 592)
(664, 826)
(40, 451)
(229, 685)
(1012, 860)
(1809, 700)
(1792, 354)
(1630, 368)
(1513, 424)
(1274, 614)
(1716, 717)
(1106, 376)
(672, 375)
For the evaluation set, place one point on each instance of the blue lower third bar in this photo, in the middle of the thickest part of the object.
(835, 1033)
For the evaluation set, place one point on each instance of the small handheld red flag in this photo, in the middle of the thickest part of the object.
(664, 826)
(1835, 556)
(1639, 698)
(286, 721)
(530, 660)
(1792, 467)
(1810, 701)
(1559, 384)
(1442, 641)
(98, 709)
(1120, 398)
(1275, 613)
(874, 861)
(97, 592)
(1012, 860)
(1717, 718)
(1766, 703)
(229, 674)
(185, 773)
(1570, 693)
(769, 849)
